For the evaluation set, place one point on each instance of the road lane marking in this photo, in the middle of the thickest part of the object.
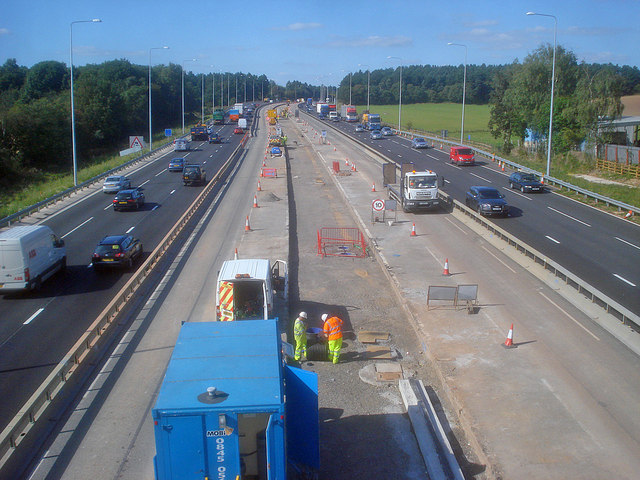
(624, 280)
(517, 193)
(568, 315)
(171, 192)
(129, 231)
(497, 258)
(628, 243)
(144, 183)
(108, 206)
(69, 233)
(481, 178)
(155, 208)
(38, 312)
(161, 172)
(569, 216)
(552, 239)
(455, 225)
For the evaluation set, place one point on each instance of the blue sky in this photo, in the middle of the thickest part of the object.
(315, 41)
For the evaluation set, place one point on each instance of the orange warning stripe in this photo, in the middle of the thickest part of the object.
(226, 301)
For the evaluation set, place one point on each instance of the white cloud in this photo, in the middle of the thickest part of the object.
(481, 23)
(371, 41)
(4, 31)
(300, 26)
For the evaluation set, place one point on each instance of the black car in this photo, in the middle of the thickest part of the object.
(487, 201)
(214, 138)
(128, 199)
(193, 174)
(526, 182)
(116, 251)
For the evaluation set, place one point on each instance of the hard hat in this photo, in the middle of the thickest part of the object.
(303, 314)
(324, 316)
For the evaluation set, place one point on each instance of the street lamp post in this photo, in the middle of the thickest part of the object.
(464, 87)
(400, 96)
(73, 117)
(368, 81)
(183, 62)
(553, 77)
(202, 97)
(213, 90)
(349, 88)
(150, 130)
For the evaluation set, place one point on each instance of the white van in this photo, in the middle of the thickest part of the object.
(29, 255)
(245, 288)
(180, 145)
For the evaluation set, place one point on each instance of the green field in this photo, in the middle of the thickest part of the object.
(434, 117)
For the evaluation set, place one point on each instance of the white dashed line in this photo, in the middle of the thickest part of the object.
(69, 233)
(129, 231)
(628, 243)
(481, 178)
(552, 239)
(569, 216)
(38, 312)
(624, 280)
(161, 172)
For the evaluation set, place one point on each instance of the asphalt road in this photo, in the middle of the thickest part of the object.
(602, 249)
(37, 329)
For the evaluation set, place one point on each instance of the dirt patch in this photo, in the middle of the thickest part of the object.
(631, 105)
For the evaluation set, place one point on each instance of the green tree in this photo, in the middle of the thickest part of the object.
(43, 79)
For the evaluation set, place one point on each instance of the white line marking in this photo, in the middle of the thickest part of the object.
(481, 178)
(496, 257)
(128, 231)
(161, 172)
(69, 233)
(569, 216)
(38, 312)
(171, 192)
(568, 315)
(628, 243)
(455, 225)
(552, 239)
(144, 183)
(90, 265)
(108, 206)
(517, 193)
(624, 279)
(155, 208)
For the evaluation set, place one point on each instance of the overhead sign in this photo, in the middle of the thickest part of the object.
(136, 141)
(167, 132)
(378, 205)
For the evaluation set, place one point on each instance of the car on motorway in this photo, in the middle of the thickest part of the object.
(128, 199)
(176, 164)
(116, 251)
(419, 142)
(214, 138)
(386, 131)
(194, 174)
(487, 201)
(238, 130)
(276, 152)
(115, 183)
(375, 135)
(359, 128)
(525, 182)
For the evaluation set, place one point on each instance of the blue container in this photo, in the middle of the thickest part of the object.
(221, 409)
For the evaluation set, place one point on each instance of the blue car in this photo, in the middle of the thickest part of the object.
(375, 135)
(487, 201)
(176, 165)
(419, 142)
(276, 152)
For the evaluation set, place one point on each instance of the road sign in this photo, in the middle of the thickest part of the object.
(136, 141)
(167, 132)
(378, 205)
(324, 134)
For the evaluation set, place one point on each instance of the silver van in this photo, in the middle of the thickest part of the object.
(180, 145)
(29, 255)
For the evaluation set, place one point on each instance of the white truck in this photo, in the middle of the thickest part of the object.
(29, 255)
(240, 108)
(417, 190)
(242, 123)
(245, 288)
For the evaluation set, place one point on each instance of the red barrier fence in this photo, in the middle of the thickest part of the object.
(341, 242)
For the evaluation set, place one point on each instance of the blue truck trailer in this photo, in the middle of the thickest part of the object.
(229, 407)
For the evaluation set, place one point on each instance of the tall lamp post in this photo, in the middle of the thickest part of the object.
(213, 89)
(464, 86)
(400, 96)
(73, 117)
(368, 81)
(202, 97)
(553, 77)
(150, 130)
(183, 62)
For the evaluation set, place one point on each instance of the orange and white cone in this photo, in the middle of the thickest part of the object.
(334, 149)
(255, 201)
(353, 167)
(542, 179)
(629, 213)
(413, 230)
(259, 187)
(247, 228)
(346, 162)
(235, 255)
(503, 166)
(373, 187)
(446, 267)
(508, 343)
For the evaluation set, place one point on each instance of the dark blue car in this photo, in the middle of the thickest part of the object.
(487, 201)
(176, 165)
(525, 182)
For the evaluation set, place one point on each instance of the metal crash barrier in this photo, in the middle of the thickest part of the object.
(341, 242)
(466, 295)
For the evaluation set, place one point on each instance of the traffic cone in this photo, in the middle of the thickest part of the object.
(255, 201)
(259, 187)
(503, 166)
(629, 213)
(508, 343)
(446, 267)
(413, 230)
(373, 187)
(542, 179)
(353, 167)
(346, 162)
(247, 228)
(334, 149)
(235, 255)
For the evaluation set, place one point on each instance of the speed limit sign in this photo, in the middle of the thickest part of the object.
(378, 205)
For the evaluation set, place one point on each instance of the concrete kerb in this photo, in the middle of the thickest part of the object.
(458, 405)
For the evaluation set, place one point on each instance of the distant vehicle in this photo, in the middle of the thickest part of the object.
(180, 145)
(176, 164)
(373, 121)
(333, 116)
(242, 123)
(116, 251)
(359, 128)
(375, 135)
(234, 115)
(487, 201)
(214, 138)
(386, 131)
(29, 255)
(419, 142)
(128, 199)
(218, 117)
(238, 130)
(462, 155)
(115, 183)
(348, 113)
(526, 182)
(193, 174)
(199, 133)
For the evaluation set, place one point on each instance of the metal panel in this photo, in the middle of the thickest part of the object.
(301, 409)
(388, 174)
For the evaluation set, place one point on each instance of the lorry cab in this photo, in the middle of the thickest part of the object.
(245, 288)
(462, 155)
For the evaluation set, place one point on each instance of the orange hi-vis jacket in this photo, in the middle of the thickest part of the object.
(333, 328)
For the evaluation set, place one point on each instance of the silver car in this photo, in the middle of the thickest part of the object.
(115, 183)
(386, 131)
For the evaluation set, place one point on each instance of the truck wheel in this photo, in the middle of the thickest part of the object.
(522, 188)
